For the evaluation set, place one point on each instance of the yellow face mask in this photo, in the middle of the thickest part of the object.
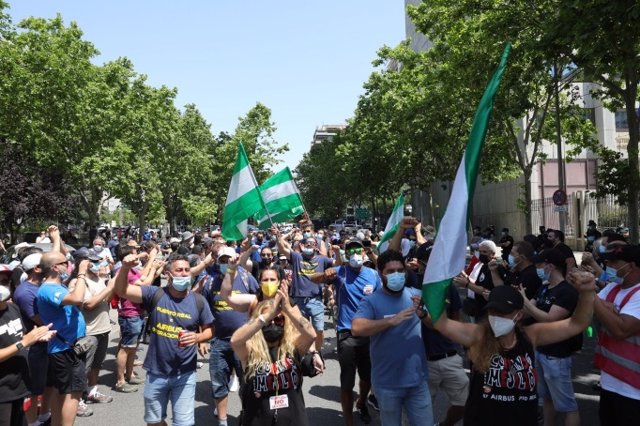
(269, 289)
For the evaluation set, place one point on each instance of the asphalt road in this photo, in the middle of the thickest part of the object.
(322, 394)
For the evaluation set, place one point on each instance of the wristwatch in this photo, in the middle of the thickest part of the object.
(20, 346)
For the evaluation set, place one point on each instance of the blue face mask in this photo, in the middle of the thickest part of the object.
(611, 275)
(542, 274)
(512, 261)
(308, 251)
(223, 268)
(181, 283)
(602, 249)
(395, 281)
(63, 276)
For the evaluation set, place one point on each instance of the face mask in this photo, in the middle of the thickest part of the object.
(223, 268)
(411, 243)
(612, 275)
(265, 262)
(356, 261)
(274, 238)
(272, 333)
(501, 326)
(395, 281)
(512, 261)
(504, 234)
(476, 254)
(63, 276)
(308, 251)
(180, 283)
(5, 293)
(602, 249)
(95, 267)
(591, 239)
(484, 259)
(269, 289)
(541, 274)
(97, 249)
(306, 235)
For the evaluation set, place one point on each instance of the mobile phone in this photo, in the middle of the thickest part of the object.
(366, 243)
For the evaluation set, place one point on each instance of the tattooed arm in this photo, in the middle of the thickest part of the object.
(292, 313)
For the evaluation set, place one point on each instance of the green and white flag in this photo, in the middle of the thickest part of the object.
(449, 250)
(243, 199)
(392, 224)
(281, 198)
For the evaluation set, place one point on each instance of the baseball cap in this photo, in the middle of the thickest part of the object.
(226, 251)
(31, 261)
(85, 253)
(624, 252)
(174, 240)
(353, 244)
(6, 269)
(552, 256)
(505, 299)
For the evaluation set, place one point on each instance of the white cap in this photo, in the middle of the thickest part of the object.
(227, 251)
(174, 240)
(31, 261)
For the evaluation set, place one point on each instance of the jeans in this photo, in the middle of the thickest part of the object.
(415, 400)
(179, 388)
(554, 382)
(222, 360)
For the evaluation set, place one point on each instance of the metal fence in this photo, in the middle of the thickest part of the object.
(606, 212)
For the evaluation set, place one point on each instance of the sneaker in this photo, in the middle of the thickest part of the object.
(373, 402)
(125, 387)
(99, 398)
(234, 383)
(83, 410)
(135, 380)
(363, 411)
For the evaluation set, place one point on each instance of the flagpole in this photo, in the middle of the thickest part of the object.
(296, 187)
(264, 205)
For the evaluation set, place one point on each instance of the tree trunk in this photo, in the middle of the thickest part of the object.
(528, 220)
(141, 221)
(631, 93)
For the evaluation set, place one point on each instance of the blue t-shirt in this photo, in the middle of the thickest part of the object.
(228, 320)
(434, 342)
(25, 298)
(67, 320)
(164, 356)
(302, 269)
(351, 287)
(398, 359)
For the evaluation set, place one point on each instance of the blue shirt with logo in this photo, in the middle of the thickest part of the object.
(302, 269)
(67, 320)
(351, 286)
(398, 359)
(167, 318)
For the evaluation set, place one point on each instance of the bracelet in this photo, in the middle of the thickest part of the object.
(262, 320)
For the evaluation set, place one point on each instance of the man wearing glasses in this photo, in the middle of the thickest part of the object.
(307, 295)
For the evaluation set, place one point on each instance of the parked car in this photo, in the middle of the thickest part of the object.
(45, 247)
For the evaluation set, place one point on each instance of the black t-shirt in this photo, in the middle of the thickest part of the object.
(435, 344)
(565, 296)
(485, 280)
(14, 372)
(529, 279)
(565, 250)
(506, 393)
(285, 376)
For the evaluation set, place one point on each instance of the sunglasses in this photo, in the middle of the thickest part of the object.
(355, 251)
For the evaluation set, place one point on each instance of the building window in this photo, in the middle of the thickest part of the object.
(622, 124)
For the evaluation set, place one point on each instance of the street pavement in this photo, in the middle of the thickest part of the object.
(322, 393)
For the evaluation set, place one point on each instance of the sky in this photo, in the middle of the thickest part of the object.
(305, 60)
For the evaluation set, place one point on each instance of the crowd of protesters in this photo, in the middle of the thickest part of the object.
(515, 316)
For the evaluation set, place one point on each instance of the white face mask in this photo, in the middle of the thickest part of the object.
(5, 293)
(500, 325)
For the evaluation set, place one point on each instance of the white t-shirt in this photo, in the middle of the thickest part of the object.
(97, 320)
(631, 308)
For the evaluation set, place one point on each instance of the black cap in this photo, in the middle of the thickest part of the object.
(552, 256)
(505, 299)
(624, 252)
(353, 244)
(84, 253)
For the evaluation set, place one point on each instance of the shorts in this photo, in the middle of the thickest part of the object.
(312, 309)
(130, 330)
(554, 382)
(96, 358)
(448, 374)
(353, 354)
(66, 372)
(222, 361)
(38, 364)
(180, 389)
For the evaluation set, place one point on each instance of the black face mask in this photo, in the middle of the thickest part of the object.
(483, 258)
(265, 262)
(272, 333)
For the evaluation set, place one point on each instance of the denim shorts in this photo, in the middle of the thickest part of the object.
(130, 329)
(416, 402)
(180, 389)
(554, 382)
(313, 309)
(222, 361)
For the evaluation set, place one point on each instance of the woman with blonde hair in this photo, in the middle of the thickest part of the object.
(270, 346)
